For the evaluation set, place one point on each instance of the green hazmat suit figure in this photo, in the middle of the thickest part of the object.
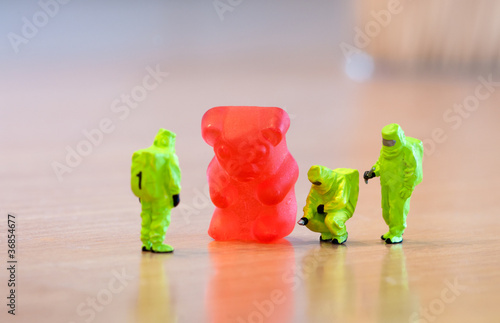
(331, 202)
(155, 179)
(400, 169)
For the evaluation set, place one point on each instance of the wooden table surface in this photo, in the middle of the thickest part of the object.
(78, 247)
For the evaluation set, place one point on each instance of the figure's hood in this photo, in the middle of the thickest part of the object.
(393, 132)
(321, 177)
(165, 139)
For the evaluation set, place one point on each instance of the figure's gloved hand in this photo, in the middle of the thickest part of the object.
(368, 174)
(303, 221)
(405, 193)
(176, 199)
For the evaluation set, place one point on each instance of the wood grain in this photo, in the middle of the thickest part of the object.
(78, 240)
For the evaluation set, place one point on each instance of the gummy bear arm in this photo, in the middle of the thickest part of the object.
(219, 199)
(291, 169)
(274, 189)
(221, 192)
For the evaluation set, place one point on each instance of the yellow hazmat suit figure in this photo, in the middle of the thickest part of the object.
(156, 181)
(400, 169)
(331, 202)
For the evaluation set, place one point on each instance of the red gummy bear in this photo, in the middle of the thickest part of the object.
(252, 175)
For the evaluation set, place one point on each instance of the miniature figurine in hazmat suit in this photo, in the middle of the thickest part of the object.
(156, 181)
(331, 202)
(400, 169)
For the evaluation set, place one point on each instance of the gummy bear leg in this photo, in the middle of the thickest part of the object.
(271, 225)
(145, 225)
(225, 226)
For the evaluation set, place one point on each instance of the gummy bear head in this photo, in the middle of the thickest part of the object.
(244, 138)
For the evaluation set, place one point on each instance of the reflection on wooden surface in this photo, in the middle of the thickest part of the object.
(330, 284)
(154, 303)
(396, 301)
(249, 283)
(73, 235)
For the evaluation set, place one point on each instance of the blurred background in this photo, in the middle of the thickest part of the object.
(76, 57)
(83, 84)
(332, 65)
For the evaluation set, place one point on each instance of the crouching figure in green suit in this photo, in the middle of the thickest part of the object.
(331, 202)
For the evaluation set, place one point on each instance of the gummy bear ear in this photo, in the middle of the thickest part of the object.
(273, 135)
(276, 127)
(210, 134)
(210, 126)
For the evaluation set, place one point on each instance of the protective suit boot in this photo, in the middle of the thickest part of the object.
(339, 240)
(147, 246)
(162, 248)
(394, 240)
(325, 237)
